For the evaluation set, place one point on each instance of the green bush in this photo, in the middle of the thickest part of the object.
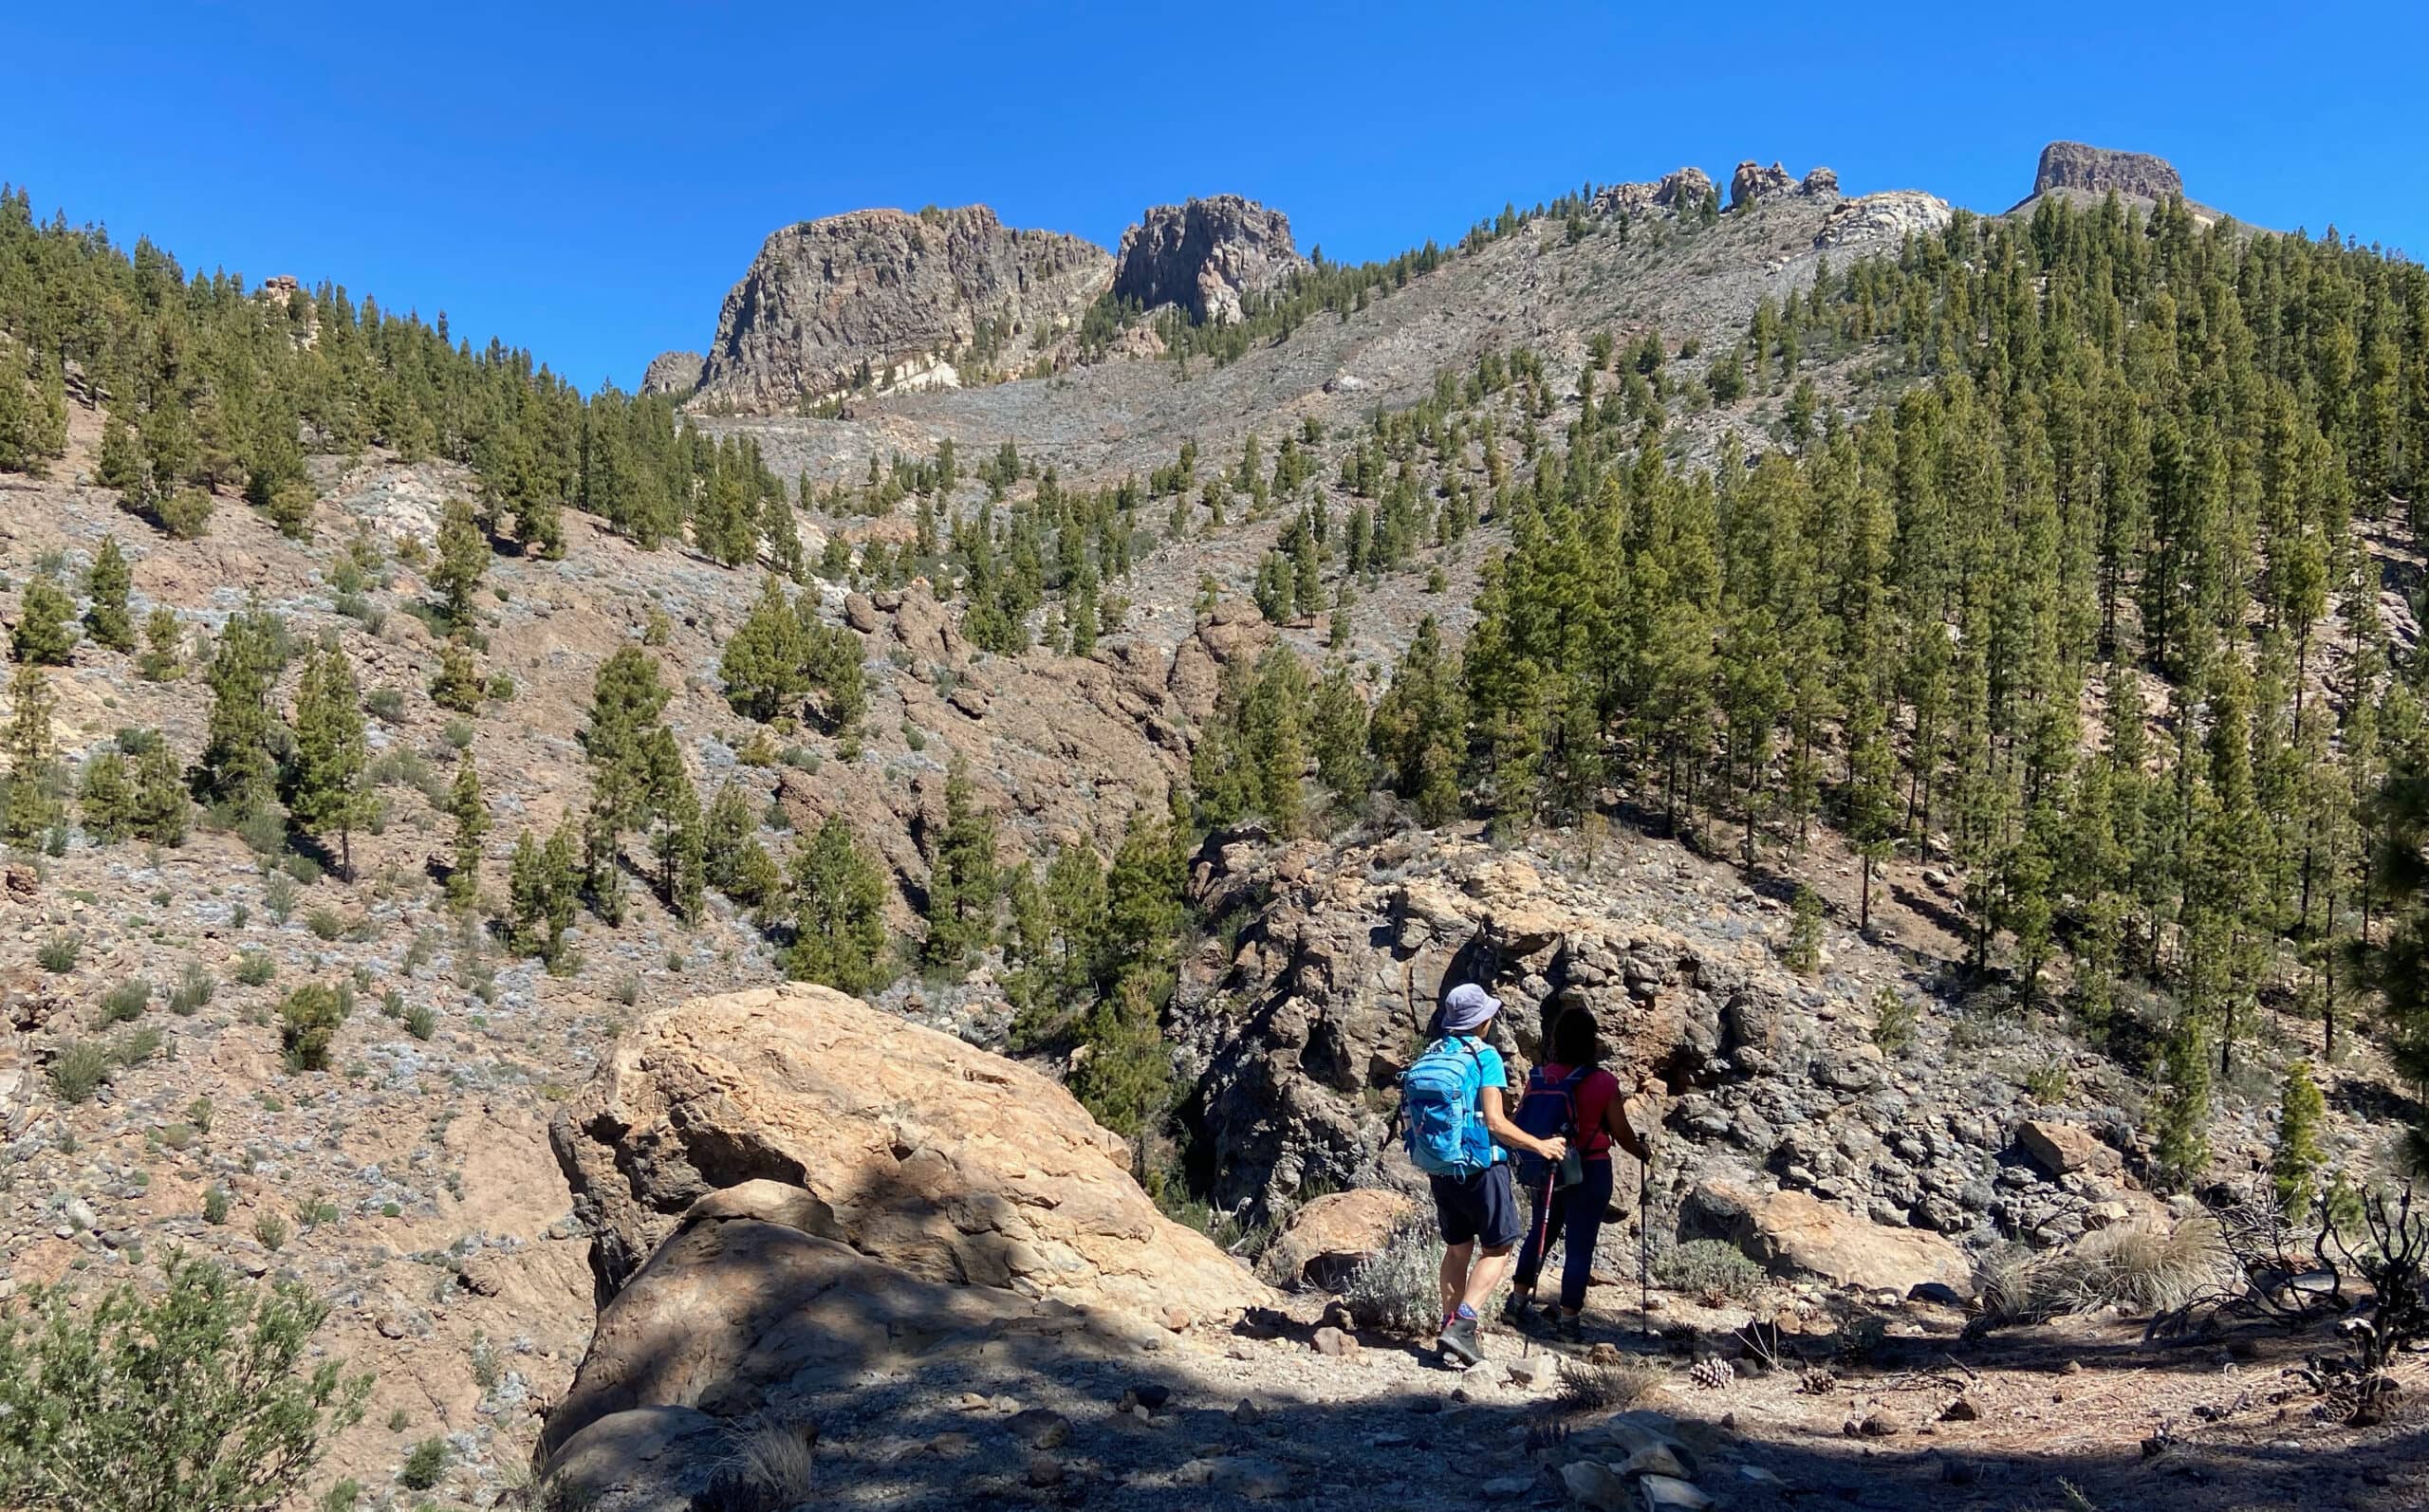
(424, 1465)
(214, 1205)
(78, 1071)
(1894, 1020)
(201, 1398)
(255, 967)
(1709, 1269)
(278, 897)
(271, 1230)
(385, 703)
(126, 1000)
(59, 953)
(310, 1016)
(195, 987)
(421, 1021)
(324, 923)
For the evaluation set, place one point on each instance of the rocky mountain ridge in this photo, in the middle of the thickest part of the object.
(880, 297)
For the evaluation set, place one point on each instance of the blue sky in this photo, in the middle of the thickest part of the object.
(587, 181)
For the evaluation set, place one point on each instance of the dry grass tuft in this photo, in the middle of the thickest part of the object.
(2138, 1268)
(1607, 1385)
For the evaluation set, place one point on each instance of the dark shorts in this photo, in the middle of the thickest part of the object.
(1483, 1207)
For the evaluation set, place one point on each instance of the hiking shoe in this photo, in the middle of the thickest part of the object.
(1518, 1311)
(1459, 1342)
(1569, 1328)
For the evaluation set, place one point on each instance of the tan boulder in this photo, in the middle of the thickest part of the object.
(2061, 1148)
(1324, 1241)
(1792, 1233)
(947, 1162)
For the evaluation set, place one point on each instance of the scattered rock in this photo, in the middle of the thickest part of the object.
(1324, 1241)
(1794, 1234)
(1332, 1341)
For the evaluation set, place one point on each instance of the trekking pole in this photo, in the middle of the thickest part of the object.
(1644, 1240)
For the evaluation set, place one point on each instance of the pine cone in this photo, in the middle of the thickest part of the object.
(1712, 1373)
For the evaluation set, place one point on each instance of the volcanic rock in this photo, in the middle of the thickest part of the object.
(1205, 256)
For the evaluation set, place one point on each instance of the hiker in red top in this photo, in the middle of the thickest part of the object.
(1569, 1088)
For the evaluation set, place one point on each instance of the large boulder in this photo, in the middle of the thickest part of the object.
(913, 1149)
(1205, 256)
(1792, 1234)
(1323, 1243)
(2061, 1149)
(1752, 182)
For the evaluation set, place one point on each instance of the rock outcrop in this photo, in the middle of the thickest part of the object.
(1752, 182)
(2096, 170)
(1680, 192)
(1205, 256)
(920, 1151)
(879, 296)
(674, 374)
(1881, 222)
(1820, 182)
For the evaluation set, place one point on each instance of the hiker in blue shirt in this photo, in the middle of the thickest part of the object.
(1456, 1131)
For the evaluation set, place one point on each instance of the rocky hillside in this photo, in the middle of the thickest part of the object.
(884, 299)
(639, 1219)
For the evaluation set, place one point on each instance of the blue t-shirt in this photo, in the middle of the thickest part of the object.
(1491, 1071)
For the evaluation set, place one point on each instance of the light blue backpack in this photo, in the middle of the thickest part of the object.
(1439, 1113)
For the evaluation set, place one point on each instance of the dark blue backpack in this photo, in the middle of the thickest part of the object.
(1548, 1109)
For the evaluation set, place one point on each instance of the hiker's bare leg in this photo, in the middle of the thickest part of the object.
(1487, 1273)
(1454, 1275)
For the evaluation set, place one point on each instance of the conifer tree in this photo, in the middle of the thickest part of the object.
(2295, 1165)
(463, 558)
(457, 686)
(839, 934)
(2183, 1142)
(243, 739)
(121, 466)
(45, 630)
(330, 753)
(962, 882)
(163, 809)
(28, 809)
(108, 584)
(163, 641)
(471, 816)
(1075, 905)
(105, 798)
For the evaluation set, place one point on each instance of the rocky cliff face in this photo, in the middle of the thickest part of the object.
(2072, 165)
(1205, 256)
(675, 374)
(1681, 192)
(917, 296)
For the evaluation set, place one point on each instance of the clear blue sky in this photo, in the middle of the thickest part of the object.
(588, 180)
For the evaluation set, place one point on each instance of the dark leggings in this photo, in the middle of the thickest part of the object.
(1575, 1216)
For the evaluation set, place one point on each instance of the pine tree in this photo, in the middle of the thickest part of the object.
(1339, 735)
(2183, 1132)
(1075, 905)
(105, 798)
(766, 665)
(45, 630)
(463, 557)
(458, 683)
(108, 584)
(242, 739)
(121, 466)
(839, 934)
(2294, 1167)
(163, 810)
(330, 753)
(28, 809)
(1142, 892)
(1125, 1083)
(163, 642)
(471, 817)
(961, 881)
(682, 863)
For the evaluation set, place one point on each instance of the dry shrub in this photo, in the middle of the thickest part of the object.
(1398, 1287)
(1607, 1385)
(2140, 1268)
